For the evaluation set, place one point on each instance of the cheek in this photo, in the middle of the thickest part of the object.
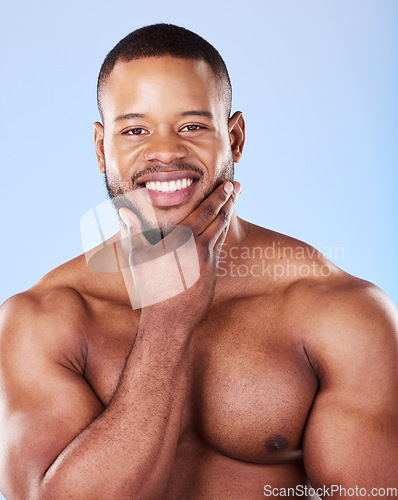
(222, 157)
(223, 144)
(120, 154)
(213, 152)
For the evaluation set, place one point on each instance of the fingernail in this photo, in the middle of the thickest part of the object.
(237, 189)
(228, 187)
(123, 216)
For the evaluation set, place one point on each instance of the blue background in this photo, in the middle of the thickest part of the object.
(316, 80)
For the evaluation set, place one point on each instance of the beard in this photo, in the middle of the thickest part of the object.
(120, 192)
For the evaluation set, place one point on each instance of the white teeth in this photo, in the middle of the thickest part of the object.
(168, 187)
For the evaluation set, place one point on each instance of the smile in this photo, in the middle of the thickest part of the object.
(169, 187)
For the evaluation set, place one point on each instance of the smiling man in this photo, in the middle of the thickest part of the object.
(272, 370)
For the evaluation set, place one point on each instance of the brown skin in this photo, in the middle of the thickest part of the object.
(235, 384)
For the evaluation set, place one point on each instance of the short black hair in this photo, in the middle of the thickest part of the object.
(162, 39)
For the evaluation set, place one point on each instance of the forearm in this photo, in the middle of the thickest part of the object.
(129, 449)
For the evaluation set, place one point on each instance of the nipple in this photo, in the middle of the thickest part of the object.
(276, 444)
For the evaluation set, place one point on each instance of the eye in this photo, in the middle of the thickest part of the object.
(135, 131)
(192, 128)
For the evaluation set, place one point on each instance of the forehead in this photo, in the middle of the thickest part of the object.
(161, 84)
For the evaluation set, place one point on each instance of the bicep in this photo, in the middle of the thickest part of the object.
(348, 445)
(43, 406)
(351, 435)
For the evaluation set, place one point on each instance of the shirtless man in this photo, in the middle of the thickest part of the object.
(244, 383)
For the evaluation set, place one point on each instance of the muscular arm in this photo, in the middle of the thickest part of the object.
(57, 440)
(351, 437)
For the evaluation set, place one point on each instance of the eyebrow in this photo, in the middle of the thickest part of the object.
(192, 112)
(200, 112)
(129, 116)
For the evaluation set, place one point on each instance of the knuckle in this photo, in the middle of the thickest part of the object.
(202, 249)
(208, 210)
(224, 215)
(222, 196)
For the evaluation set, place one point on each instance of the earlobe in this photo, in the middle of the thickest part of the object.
(99, 145)
(236, 126)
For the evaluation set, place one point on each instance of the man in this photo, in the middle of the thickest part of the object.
(242, 384)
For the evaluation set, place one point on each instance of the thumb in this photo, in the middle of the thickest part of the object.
(130, 220)
(134, 227)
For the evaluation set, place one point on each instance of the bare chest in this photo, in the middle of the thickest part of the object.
(250, 384)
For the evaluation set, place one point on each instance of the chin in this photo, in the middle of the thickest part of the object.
(172, 216)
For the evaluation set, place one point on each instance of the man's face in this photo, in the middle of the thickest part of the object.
(165, 130)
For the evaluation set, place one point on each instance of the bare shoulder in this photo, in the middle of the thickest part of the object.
(346, 324)
(332, 311)
(51, 315)
(283, 259)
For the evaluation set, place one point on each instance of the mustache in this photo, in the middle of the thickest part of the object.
(160, 167)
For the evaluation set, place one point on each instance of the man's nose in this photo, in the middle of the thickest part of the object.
(165, 148)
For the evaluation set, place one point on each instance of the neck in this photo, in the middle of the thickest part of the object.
(237, 232)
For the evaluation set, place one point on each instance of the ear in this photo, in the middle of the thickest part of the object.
(99, 145)
(236, 125)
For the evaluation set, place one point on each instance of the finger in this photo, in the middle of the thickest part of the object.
(223, 217)
(237, 190)
(216, 232)
(134, 227)
(208, 210)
